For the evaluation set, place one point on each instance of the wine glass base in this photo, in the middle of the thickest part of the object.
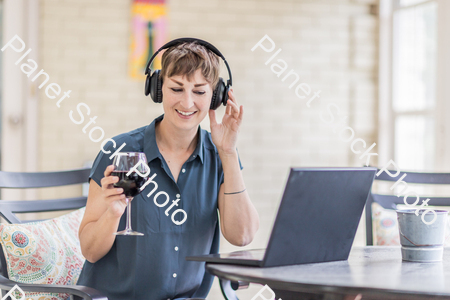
(128, 232)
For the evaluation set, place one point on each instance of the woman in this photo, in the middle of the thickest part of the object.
(201, 170)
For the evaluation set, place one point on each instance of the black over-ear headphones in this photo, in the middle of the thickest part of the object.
(153, 82)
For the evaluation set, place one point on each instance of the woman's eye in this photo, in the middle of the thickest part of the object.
(199, 93)
(176, 90)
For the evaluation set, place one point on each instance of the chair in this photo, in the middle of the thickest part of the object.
(390, 201)
(8, 210)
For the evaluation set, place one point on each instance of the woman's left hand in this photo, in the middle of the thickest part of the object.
(224, 135)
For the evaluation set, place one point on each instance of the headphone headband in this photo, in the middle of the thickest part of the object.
(190, 40)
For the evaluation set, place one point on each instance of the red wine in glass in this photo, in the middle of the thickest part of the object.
(124, 162)
(131, 184)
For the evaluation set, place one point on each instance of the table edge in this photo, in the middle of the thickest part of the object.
(319, 288)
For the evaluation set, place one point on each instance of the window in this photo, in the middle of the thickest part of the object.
(412, 101)
(413, 90)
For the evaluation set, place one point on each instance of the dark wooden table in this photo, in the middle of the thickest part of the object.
(374, 272)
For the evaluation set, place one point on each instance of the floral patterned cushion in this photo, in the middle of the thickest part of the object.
(45, 252)
(385, 226)
(384, 222)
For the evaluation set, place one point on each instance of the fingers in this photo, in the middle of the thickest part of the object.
(231, 96)
(241, 115)
(233, 107)
(108, 181)
(228, 108)
(120, 197)
(108, 170)
(110, 192)
(231, 99)
(212, 118)
(113, 192)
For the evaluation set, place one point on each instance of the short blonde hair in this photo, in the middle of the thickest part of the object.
(186, 58)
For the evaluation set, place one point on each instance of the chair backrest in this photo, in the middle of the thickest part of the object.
(18, 180)
(391, 201)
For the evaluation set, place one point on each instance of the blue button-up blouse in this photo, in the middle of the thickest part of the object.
(153, 266)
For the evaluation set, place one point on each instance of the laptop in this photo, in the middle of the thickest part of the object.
(316, 221)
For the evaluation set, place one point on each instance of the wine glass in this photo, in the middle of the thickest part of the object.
(131, 184)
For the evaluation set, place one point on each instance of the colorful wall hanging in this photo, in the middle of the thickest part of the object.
(148, 34)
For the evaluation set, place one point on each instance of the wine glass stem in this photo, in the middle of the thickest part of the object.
(128, 227)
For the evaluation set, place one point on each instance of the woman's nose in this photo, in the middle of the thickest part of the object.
(187, 101)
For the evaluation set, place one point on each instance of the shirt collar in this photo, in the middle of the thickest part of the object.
(151, 149)
(198, 152)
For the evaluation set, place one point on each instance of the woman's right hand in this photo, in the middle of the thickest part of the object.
(114, 197)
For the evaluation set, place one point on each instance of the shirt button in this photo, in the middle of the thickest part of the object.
(176, 248)
(178, 195)
(184, 170)
(174, 275)
(193, 155)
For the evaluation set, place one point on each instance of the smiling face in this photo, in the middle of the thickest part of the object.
(186, 102)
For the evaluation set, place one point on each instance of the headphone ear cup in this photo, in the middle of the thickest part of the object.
(147, 85)
(225, 95)
(156, 87)
(217, 97)
(159, 94)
